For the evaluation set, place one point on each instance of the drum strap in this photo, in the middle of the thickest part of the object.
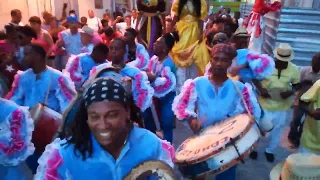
(48, 90)
(247, 108)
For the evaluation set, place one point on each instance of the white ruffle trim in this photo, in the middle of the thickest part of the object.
(63, 100)
(78, 71)
(145, 85)
(167, 75)
(189, 109)
(45, 157)
(253, 102)
(160, 81)
(27, 140)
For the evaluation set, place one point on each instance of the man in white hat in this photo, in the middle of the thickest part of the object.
(275, 94)
(297, 166)
(87, 34)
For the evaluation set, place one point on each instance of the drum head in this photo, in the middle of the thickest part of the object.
(212, 140)
(151, 168)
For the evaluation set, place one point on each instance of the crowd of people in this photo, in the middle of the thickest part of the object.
(119, 83)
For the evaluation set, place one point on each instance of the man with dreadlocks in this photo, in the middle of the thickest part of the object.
(210, 93)
(103, 143)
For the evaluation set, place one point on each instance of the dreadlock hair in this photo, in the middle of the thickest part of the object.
(195, 3)
(79, 133)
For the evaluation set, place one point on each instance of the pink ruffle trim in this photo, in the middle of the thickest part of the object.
(141, 63)
(65, 89)
(168, 147)
(246, 96)
(166, 85)
(93, 70)
(16, 143)
(150, 65)
(53, 164)
(264, 61)
(142, 94)
(14, 86)
(73, 69)
(184, 102)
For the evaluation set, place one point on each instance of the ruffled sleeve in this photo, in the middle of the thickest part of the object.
(184, 104)
(74, 70)
(142, 59)
(166, 153)
(262, 66)
(175, 7)
(165, 83)
(204, 10)
(65, 92)
(251, 101)
(207, 71)
(15, 138)
(51, 163)
(142, 90)
(16, 94)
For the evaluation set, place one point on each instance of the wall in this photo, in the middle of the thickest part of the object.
(27, 7)
(85, 5)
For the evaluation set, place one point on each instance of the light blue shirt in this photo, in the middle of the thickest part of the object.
(28, 91)
(142, 145)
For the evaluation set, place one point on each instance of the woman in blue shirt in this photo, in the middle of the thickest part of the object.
(103, 142)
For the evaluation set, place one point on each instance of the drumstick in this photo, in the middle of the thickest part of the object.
(247, 109)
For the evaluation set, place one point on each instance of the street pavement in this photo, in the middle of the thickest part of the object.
(252, 169)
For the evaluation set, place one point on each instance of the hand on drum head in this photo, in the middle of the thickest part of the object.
(194, 125)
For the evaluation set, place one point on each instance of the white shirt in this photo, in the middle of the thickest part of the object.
(94, 23)
(122, 27)
(133, 23)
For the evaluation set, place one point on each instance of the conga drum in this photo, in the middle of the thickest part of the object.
(153, 168)
(217, 147)
(46, 122)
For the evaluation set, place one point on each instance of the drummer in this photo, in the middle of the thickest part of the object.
(40, 84)
(79, 67)
(103, 142)
(201, 100)
(141, 89)
(15, 140)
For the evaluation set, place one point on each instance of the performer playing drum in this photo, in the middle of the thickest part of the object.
(40, 84)
(216, 97)
(103, 143)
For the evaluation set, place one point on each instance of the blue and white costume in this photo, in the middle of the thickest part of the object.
(59, 161)
(16, 127)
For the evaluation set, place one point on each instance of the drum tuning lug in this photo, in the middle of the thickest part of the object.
(233, 143)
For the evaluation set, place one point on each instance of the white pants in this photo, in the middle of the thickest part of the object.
(279, 120)
(306, 151)
(184, 74)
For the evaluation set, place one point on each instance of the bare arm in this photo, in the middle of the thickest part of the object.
(175, 20)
